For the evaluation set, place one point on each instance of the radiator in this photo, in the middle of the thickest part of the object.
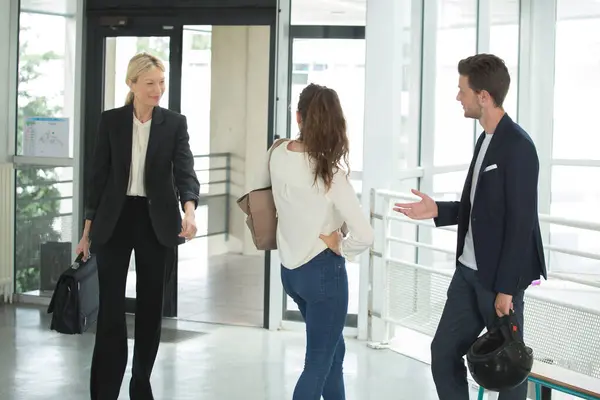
(6, 232)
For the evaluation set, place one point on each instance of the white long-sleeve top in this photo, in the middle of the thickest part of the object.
(306, 210)
(139, 146)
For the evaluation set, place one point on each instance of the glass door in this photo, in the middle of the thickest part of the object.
(117, 47)
(118, 52)
(228, 72)
(336, 61)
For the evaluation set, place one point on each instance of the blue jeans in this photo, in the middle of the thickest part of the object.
(320, 289)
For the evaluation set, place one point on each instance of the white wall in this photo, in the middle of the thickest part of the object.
(239, 113)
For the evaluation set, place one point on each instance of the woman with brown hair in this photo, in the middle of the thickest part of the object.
(314, 197)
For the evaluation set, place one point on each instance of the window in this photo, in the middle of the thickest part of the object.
(454, 135)
(44, 195)
(340, 65)
(456, 39)
(577, 81)
(41, 90)
(504, 42)
(578, 201)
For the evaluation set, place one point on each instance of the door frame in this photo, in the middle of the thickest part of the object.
(100, 25)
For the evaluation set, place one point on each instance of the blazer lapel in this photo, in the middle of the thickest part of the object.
(466, 194)
(155, 134)
(495, 144)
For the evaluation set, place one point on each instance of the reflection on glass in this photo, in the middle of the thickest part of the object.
(119, 51)
(504, 42)
(43, 218)
(456, 39)
(576, 79)
(577, 201)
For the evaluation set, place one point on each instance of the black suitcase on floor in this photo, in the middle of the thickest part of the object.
(74, 304)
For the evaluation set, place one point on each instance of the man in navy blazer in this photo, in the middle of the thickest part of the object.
(499, 247)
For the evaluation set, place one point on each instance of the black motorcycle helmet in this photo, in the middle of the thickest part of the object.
(499, 359)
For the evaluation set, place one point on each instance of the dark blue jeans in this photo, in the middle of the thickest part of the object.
(320, 288)
(469, 308)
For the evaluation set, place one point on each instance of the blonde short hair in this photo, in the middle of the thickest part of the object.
(139, 64)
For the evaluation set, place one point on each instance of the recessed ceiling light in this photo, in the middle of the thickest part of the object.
(338, 12)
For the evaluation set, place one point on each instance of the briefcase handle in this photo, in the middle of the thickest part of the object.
(78, 261)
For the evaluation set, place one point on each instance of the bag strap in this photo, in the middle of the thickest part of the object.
(275, 145)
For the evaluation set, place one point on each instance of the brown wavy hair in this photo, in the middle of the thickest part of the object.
(323, 131)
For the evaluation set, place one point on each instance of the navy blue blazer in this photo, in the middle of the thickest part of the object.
(504, 218)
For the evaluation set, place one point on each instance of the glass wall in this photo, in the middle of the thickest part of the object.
(340, 65)
(462, 32)
(575, 142)
(456, 39)
(44, 185)
(327, 49)
(504, 42)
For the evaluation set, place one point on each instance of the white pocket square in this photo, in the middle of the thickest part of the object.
(490, 167)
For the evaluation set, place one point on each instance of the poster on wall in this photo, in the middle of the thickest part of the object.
(46, 137)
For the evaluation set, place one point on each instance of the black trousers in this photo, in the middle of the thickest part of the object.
(133, 231)
(469, 308)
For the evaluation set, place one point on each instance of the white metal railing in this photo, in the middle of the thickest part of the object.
(414, 294)
(573, 223)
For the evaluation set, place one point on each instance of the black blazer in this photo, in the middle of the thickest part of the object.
(169, 173)
(504, 219)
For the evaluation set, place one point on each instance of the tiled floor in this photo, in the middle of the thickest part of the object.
(195, 361)
(225, 288)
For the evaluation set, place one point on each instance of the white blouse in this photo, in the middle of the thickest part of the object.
(139, 146)
(306, 210)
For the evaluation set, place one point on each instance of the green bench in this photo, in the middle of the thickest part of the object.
(547, 377)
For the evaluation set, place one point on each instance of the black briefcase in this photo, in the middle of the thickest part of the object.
(74, 304)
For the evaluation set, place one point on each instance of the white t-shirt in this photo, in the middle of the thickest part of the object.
(467, 257)
(139, 146)
(306, 210)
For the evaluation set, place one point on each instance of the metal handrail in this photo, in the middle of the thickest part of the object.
(389, 262)
(593, 226)
(226, 181)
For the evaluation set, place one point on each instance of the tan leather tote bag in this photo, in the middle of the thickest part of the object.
(261, 214)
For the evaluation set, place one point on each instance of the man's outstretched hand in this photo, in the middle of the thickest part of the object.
(424, 209)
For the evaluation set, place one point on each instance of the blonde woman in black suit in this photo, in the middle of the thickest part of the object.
(142, 169)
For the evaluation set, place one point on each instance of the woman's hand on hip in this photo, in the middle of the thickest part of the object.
(188, 226)
(333, 241)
